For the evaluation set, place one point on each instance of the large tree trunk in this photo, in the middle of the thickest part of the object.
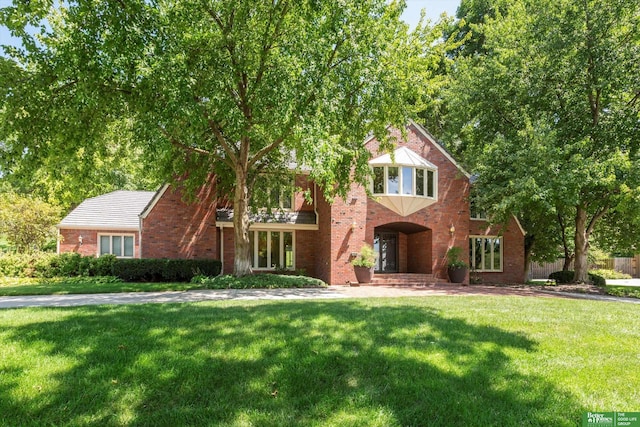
(581, 247)
(242, 259)
(529, 244)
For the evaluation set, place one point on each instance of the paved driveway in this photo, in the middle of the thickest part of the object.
(332, 292)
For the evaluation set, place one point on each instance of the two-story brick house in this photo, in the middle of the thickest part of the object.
(419, 208)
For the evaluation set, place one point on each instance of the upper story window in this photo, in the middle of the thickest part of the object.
(404, 182)
(476, 212)
(273, 194)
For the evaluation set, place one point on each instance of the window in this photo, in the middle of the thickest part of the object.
(274, 193)
(485, 253)
(281, 198)
(476, 212)
(118, 245)
(404, 180)
(271, 249)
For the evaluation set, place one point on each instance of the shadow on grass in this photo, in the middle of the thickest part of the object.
(290, 363)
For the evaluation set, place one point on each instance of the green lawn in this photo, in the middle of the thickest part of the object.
(82, 285)
(447, 361)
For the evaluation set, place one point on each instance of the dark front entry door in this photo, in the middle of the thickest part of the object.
(386, 246)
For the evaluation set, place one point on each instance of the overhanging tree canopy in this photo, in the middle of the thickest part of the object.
(551, 111)
(238, 89)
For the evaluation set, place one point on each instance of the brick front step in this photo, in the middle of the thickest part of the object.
(404, 279)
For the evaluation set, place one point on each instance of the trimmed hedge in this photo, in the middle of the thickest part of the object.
(258, 281)
(46, 265)
(566, 276)
(164, 270)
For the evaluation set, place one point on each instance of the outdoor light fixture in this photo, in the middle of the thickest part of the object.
(354, 225)
(80, 240)
(452, 230)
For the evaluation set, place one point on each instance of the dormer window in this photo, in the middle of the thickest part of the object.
(406, 184)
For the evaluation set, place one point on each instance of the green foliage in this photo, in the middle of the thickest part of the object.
(235, 88)
(453, 258)
(164, 270)
(548, 115)
(36, 264)
(27, 223)
(366, 258)
(257, 281)
(71, 264)
(610, 274)
(566, 276)
(623, 291)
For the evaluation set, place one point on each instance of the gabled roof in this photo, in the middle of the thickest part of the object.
(439, 146)
(117, 210)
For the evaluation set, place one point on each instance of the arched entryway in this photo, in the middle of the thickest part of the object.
(403, 247)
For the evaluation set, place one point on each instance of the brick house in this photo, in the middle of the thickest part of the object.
(419, 209)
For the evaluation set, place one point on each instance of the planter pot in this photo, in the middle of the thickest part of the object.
(363, 274)
(457, 274)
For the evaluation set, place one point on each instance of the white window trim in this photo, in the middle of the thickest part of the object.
(400, 182)
(479, 217)
(111, 235)
(473, 249)
(282, 251)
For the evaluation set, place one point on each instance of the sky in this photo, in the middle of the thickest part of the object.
(411, 15)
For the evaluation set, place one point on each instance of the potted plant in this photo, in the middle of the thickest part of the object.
(364, 263)
(456, 268)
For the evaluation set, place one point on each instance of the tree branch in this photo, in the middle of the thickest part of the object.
(182, 145)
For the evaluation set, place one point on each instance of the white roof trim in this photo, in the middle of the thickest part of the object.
(524, 233)
(154, 201)
(281, 226)
(427, 135)
(98, 228)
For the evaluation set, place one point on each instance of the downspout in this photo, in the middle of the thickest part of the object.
(221, 250)
(315, 201)
(140, 236)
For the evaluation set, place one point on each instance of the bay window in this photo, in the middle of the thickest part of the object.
(404, 180)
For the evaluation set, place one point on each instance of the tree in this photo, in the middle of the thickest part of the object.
(28, 223)
(234, 89)
(552, 111)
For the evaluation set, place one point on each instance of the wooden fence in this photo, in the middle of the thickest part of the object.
(623, 265)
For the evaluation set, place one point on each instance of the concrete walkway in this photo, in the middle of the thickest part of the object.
(332, 292)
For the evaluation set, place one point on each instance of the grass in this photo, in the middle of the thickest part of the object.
(91, 285)
(438, 361)
(82, 285)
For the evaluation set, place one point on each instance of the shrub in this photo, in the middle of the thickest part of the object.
(610, 274)
(626, 292)
(257, 281)
(164, 270)
(36, 264)
(71, 264)
(566, 276)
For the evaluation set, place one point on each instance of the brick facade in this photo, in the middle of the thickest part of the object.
(69, 240)
(173, 228)
(512, 251)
